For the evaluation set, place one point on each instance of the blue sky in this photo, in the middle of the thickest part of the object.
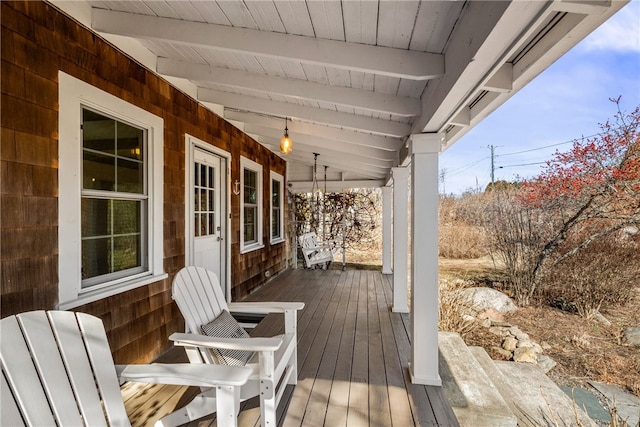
(565, 102)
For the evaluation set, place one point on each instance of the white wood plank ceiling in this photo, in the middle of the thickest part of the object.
(354, 78)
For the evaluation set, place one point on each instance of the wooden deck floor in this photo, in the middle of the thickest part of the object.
(353, 356)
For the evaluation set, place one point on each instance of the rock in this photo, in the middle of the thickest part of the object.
(505, 354)
(486, 323)
(468, 318)
(484, 299)
(525, 355)
(545, 345)
(492, 314)
(600, 318)
(510, 343)
(537, 349)
(516, 332)
(501, 332)
(545, 363)
(632, 336)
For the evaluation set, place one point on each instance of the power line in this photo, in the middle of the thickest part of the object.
(522, 164)
(465, 167)
(559, 143)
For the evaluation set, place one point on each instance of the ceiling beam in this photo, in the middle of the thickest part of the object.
(335, 186)
(337, 134)
(314, 141)
(305, 113)
(343, 164)
(300, 89)
(386, 61)
(347, 160)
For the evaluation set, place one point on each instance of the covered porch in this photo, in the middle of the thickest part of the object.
(353, 356)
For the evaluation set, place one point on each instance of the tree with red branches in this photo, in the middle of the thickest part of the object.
(589, 192)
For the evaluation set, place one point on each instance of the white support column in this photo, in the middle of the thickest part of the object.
(400, 239)
(386, 230)
(424, 150)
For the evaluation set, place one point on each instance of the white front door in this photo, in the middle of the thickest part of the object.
(206, 226)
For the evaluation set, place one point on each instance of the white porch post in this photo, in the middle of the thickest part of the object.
(424, 150)
(400, 236)
(386, 230)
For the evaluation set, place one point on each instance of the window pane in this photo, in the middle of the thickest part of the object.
(250, 178)
(96, 257)
(203, 225)
(212, 224)
(275, 223)
(98, 132)
(275, 195)
(130, 179)
(95, 217)
(126, 252)
(98, 172)
(203, 200)
(212, 205)
(203, 175)
(250, 224)
(126, 216)
(129, 141)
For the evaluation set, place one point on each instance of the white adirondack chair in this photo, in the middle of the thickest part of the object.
(198, 294)
(318, 253)
(57, 369)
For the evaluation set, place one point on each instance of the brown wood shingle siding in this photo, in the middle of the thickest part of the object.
(37, 41)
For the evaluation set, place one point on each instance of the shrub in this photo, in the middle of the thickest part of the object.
(602, 274)
(461, 241)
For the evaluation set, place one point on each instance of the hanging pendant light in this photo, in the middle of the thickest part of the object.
(286, 145)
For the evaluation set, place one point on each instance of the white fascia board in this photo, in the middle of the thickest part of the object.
(584, 7)
(317, 115)
(564, 36)
(300, 89)
(386, 61)
(337, 134)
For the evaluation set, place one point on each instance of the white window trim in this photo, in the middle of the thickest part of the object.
(257, 168)
(72, 95)
(274, 176)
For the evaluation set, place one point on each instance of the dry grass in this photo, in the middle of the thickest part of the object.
(462, 242)
(455, 308)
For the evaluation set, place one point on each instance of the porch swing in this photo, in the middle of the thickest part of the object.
(318, 253)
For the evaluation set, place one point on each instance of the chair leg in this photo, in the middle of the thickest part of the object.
(228, 406)
(267, 412)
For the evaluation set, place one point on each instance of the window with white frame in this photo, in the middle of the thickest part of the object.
(277, 207)
(110, 203)
(250, 205)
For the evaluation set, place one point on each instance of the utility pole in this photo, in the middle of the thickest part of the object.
(493, 168)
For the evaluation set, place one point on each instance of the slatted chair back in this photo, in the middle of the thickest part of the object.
(198, 294)
(57, 369)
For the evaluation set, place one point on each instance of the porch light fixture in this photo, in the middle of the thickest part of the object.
(286, 145)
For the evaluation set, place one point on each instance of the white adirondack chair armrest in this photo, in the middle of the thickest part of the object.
(264, 307)
(245, 344)
(199, 375)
